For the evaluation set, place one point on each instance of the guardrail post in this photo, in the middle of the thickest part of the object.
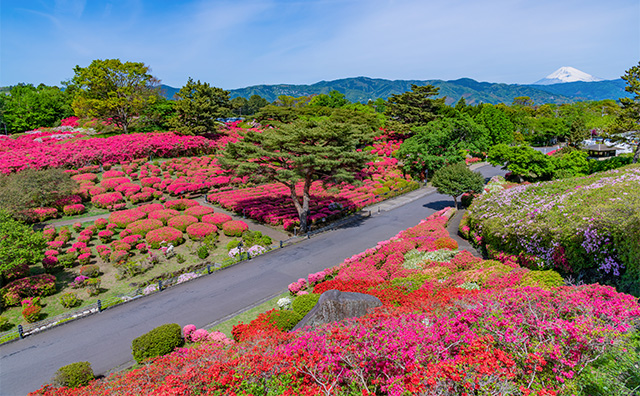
(248, 255)
(160, 285)
(308, 235)
(209, 268)
(280, 244)
(99, 306)
(20, 332)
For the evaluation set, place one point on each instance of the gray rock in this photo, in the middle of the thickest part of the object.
(335, 306)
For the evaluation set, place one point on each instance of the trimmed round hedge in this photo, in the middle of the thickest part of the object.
(182, 222)
(125, 217)
(148, 208)
(304, 303)
(234, 228)
(180, 204)
(199, 231)
(217, 219)
(164, 215)
(142, 227)
(74, 375)
(159, 341)
(198, 211)
(167, 234)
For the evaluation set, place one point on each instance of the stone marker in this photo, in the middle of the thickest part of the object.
(335, 306)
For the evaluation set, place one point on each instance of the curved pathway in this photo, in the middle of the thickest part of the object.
(105, 339)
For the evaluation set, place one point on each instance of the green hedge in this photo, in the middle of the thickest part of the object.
(304, 303)
(159, 341)
(74, 375)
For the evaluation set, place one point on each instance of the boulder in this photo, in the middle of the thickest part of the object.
(335, 306)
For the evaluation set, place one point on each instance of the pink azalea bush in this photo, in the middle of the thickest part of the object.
(165, 234)
(234, 228)
(72, 210)
(199, 231)
(142, 227)
(217, 219)
(198, 211)
(126, 217)
(107, 200)
(164, 215)
(182, 222)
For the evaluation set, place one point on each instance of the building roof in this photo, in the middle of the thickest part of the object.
(602, 147)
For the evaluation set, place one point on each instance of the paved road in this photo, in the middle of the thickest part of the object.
(105, 339)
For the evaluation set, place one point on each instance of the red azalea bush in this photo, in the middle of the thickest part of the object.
(234, 228)
(145, 196)
(128, 189)
(106, 200)
(142, 227)
(217, 219)
(167, 234)
(199, 231)
(72, 210)
(198, 211)
(182, 222)
(126, 217)
(112, 173)
(180, 204)
(164, 215)
(150, 207)
(36, 285)
(150, 181)
(40, 214)
(105, 235)
(111, 184)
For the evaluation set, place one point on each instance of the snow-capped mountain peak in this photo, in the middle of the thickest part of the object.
(567, 74)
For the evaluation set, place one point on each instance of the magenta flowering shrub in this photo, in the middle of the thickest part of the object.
(234, 228)
(93, 191)
(72, 210)
(182, 222)
(125, 217)
(165, 234)
(40, 214)
(84, 258)
(49, 234)
(32, 286)
(128, 189)
(112, 173)
(198, 211)
(49, 263)
(56, 244)
(120, 245)
(164, 215)
(84, 177)
(105, 236)
(107, 200)
(142, 227)
(199, 231)
(217, 219)
(144, 196)
(132, 239)
(111, 184)
(180, 204)
(153, 207)
(297, 286)
(103, 251)
(142, 247)
(150, 181)
(118, 255)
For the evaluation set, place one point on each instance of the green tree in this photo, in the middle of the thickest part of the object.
(570, 163)
(33, 188)
(416, 107)
(303, 151)
(334, 100)
(440, 143)
(27, 107)
(499, 127)
(111, 90)
(157, 116)
(522, 161)
(239, 106)
(197, 107)
(627, 126)
(19, 244)
(457, 179)
(256, 102)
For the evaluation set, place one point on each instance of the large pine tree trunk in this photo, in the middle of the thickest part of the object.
(636, 156)
(301, 207)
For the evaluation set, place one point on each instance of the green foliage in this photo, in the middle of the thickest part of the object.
(27, 107)
(457, 179)
(285, 320)
(544, 279)
(197, 106)
(615, 373)
(234, 243)
(626, 128)
(522, 161)
(571, 164)
(415, 107)
(203, 252)
(110, 89)
(19, 244)
(67, 260)
(440, 143)
(69, 300)
(610, 163)
(304, 303)
(32, 188)
(305, 150)
(5, 324)
(251, 238)
(256, 102)
(159, 341)
(74, 375)
(497, 123)
(469, 286)
(334, 99)
(180, 258)
(441, 255)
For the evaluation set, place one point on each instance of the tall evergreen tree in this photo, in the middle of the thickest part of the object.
(197, 107)
(416, 107)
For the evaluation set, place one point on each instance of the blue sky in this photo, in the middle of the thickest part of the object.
(238, 43)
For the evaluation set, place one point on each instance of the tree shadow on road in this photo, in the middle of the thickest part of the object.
(439, 205)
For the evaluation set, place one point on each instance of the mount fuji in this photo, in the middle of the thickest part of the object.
(566, 74)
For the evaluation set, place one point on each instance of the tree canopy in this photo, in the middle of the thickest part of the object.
(303, 151)
(415, 107)
(113, 91)
(627, 126)
(19, 244)
(27, 107)
(455, 180)
(197, 107)
(442, 142)
(522, 161)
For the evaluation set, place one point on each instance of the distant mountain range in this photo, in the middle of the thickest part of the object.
(363, 89)
(567, 74)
